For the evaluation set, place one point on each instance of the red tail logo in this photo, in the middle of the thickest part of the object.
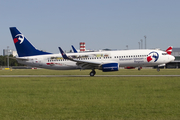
(15, 40)
(169, 50)
(19, 37)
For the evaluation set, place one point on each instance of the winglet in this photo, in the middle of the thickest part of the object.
(74, 49)
(169, 50)
(63, 53)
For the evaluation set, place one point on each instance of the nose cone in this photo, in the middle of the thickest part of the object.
(172, 58)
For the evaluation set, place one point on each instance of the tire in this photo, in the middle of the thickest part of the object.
(91, 74)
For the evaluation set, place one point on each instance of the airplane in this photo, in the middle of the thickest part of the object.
(104, 60)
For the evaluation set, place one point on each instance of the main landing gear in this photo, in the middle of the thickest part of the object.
(92, 73)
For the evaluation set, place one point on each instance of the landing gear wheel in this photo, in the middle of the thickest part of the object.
(92, 73)
(139, 68)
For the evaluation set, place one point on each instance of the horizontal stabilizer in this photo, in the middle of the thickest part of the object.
(19, 58)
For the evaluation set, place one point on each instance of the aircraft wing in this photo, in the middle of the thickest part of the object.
(83, 63)
(86, 64)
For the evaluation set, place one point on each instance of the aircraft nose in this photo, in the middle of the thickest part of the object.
(172, 58)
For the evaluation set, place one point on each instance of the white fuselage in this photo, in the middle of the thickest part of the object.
(133, 58)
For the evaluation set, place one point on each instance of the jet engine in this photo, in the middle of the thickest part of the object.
(110, 67)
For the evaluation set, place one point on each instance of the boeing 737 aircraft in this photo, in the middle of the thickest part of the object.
(105, 60)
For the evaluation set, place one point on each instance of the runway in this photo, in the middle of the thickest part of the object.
(89, 76)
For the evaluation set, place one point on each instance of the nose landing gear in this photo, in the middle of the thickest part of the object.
(158, 69)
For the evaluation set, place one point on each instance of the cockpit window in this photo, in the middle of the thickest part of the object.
(164, 53)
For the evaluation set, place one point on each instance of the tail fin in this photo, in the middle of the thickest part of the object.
(23, 46)
(74, 49)
(169, 50)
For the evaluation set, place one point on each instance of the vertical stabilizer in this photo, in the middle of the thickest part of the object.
(169, 50)
(23, 46)
(74, 49)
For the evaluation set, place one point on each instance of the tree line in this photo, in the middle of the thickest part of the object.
(12, 62)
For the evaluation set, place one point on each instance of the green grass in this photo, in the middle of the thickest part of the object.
(86, 72)
(90, 98)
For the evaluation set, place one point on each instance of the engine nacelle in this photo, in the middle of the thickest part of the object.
(110, 67)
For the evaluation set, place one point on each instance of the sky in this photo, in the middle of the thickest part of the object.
(113, 24)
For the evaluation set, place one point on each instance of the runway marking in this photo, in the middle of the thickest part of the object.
(89, 76)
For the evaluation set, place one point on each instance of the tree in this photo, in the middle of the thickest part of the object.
(12, 62)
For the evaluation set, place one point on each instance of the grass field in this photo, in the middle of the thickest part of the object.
(90, 98)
